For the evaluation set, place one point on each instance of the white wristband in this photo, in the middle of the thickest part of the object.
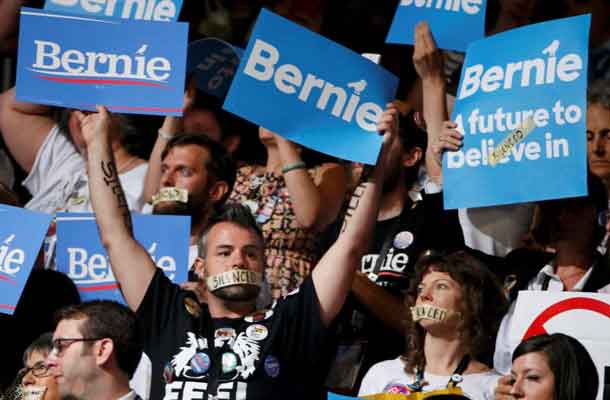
(164, 135)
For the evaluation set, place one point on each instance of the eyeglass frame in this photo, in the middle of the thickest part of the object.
(57, 346)
(25, 370)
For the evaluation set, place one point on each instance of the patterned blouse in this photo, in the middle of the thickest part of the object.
(291, 251)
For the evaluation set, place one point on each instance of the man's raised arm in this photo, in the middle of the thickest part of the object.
(131, 264)
(334, 273)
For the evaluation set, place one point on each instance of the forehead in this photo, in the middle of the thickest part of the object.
(192, 155)
(231, 234)
(534, 360)
(432, 275)
(68, 328)
(36, 356)
(597, 114)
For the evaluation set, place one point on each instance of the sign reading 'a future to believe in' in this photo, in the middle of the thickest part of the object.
(522, 112)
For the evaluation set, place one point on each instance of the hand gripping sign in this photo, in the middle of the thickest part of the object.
(81, 256)
(584, 316)
(21, 234)
(148, 10)
(79, 62)
(311, 90)
(454, 23)
(522, 112)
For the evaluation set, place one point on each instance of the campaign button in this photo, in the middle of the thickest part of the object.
(229, 362)
(200, 364)
(403, 239)
(272, 366)
(168, 373)
(257, 332)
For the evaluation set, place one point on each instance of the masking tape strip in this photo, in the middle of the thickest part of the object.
(234, 277)
(428, 311)
(170, 194)
(510, 141)
(33, 392)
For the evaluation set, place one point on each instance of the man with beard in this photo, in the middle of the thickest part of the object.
(226, 348)
(411, 220)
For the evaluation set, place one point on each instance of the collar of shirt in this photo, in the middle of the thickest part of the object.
(129, 396)
(555, 283)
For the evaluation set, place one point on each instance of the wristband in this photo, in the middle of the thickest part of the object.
(164, 135)
(290, 167)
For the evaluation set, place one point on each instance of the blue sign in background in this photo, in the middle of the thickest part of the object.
(213, 63)
(452, 30)
(141, 42)
(554, 174)
(21, 235)
(301, 121)
(81, 256)
(150, 10)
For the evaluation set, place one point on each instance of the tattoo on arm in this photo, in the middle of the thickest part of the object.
(111, 179)
(353, 204)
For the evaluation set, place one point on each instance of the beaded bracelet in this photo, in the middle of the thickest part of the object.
(290, 167)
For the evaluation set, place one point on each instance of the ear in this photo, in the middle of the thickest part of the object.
(412, 157)
(104, 349)
(218, 191)
(231, 143)
(199, 268)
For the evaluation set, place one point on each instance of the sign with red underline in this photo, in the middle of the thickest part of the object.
(77, 62)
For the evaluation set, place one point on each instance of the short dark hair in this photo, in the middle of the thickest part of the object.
(598, 92)
(234, 213)
(109, 319)
(484, 305)
(410, 134)
(221, 166)
(574, 371)
(42, 344)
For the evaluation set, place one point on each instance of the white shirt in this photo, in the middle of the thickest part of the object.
(504, 349)
(386, 374)
(496, 230)
(58, 182)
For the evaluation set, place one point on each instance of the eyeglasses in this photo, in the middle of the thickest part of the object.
(60, 344)
(39, 370)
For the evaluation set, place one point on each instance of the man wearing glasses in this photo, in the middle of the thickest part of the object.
(94, 351)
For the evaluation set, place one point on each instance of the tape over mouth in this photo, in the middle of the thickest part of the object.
(33, 392)
(232, 278)
(428, 311)
(170, 194)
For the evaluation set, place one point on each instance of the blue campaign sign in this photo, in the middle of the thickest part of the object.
(311, 90)
(147, 10)
(454, 23)
(81, 256)
(130, 67)
(21, 235)
(522, 111)
(213, 63)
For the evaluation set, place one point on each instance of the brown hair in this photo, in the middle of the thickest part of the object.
(483, 306)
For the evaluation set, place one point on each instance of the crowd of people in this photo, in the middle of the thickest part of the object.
(307, 274)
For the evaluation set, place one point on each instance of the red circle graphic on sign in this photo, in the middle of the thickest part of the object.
(575, 303)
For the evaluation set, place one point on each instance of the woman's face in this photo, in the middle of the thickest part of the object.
(532, 377)
(38, 376)
(439, 290)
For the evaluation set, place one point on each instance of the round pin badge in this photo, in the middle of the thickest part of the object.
(456, 378)
(272, 366)
(229, 362)
(168, 373)
(257, 332)
(403, 239)
(200, 364)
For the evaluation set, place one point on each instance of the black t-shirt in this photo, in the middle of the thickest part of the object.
(261, 356)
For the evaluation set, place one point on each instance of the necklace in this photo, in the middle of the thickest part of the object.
(454, 380)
